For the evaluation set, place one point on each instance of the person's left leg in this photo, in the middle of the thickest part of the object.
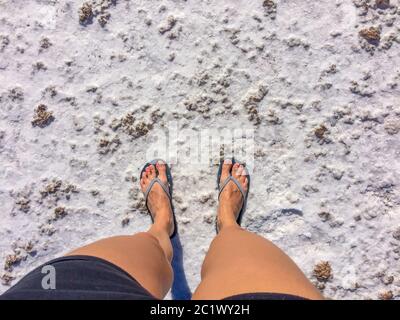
(140, 255)
(240, 262)
(145, 256)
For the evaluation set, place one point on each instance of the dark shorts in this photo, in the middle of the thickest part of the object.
(85, 277)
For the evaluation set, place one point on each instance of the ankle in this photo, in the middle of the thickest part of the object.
(161, 226)
(225, 221)
(226, 212)
(163, 240)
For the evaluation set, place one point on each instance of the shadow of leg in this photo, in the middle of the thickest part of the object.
(180, 289)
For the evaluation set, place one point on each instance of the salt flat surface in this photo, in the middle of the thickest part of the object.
(316, 81)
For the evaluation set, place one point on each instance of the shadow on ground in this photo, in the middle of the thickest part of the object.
(180, 288)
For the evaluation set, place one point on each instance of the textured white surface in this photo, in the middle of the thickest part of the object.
(307, 56)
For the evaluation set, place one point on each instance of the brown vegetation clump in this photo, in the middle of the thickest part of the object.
(52, 187)
(59, 213)
(11, 260)
(141, 129)
(168, 25)
(42, 117)
(387, 295)
(392, 126)
(108, 145)
(6, 279)
(44, 44)
(51, 91)
(252, 101)
(38, 66)
(270, 8)
(16, 94)
(254, 115)
(125, 222)
(103, 19)
(134, 127)
(371, 34)
(23, 204)
(28, 247)
(396, 234)
(128, 120)
(325, 216)
(268, 4)
(96, 9)
(382, 4)
(85, 13)
(4, 42)
(47, 229)
(57, 189)
(135, 130)
(320, 131)
(323, 271)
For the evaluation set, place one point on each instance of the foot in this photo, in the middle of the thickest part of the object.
(231, 199)
(158, 201)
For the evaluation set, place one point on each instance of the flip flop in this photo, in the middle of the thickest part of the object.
(222, 185)
(166, 187)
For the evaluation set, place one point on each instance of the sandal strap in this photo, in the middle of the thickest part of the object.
(226, 181)
(163, 186)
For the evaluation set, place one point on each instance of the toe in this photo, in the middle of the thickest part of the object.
(226, 169)
(245, 184)
(151, 172)
(244, 178)
(143, 184)
(243, 174)
(162, 171)
(238, 172)
(235, 169)
(145, 174)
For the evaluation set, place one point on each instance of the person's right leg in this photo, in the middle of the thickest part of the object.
(241, 262)
(146, 256)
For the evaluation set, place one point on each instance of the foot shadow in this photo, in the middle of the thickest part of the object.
(180, 288)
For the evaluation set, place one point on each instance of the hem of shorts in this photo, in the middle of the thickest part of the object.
(97, 259)
(264, 296)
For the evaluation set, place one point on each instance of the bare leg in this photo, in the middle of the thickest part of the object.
(145, 256)
(241, 262)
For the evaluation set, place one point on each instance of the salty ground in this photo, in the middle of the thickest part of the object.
(86, 88)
